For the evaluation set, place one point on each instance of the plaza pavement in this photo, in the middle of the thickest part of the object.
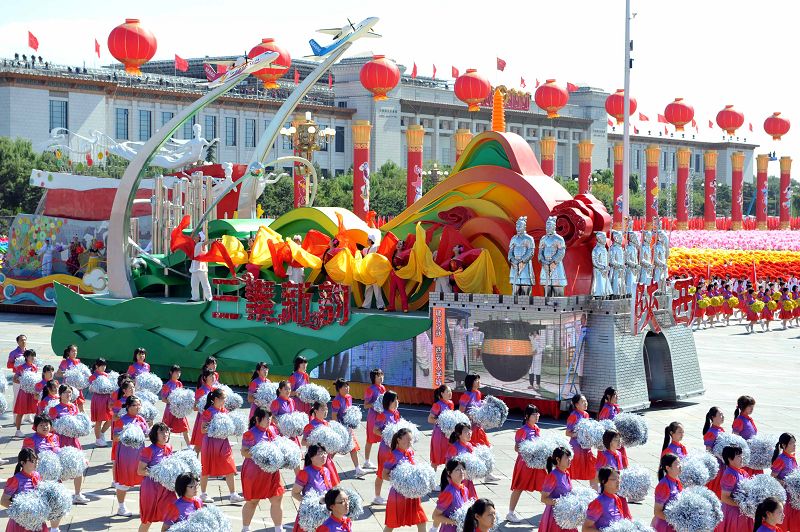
(764, 365)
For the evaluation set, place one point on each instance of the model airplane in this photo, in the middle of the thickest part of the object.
(347, 33)
(226, 70)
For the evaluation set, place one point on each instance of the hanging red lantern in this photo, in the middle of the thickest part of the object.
(472, 88)
(132, 45)
(551, 98)
(679, 114)
(615, 105)
(379, 76)
(730, 119)
(776, 126)
(269, 76)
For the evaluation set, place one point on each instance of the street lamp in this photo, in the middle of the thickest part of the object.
(435, 172)
(306, 138)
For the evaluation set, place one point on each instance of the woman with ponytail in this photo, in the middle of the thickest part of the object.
(609, 409)
(402, 511)
(442, 401)
(743, 424)
(556, 485)
(770, 514)
(583, 460)
(608, 507)
(525, 478)
(668, 488)
(100, 409)
(460, 444)
(258, 378)
(25, 478)
(673, 434)
(125, 458)
(49, 393)
(711, 430)
(313, 477)
(481, 516)
(64, 408)
(317, 415)
(216, 455)
(783, 463)
(733, 519)
(177, 425)
(390, 415)
(453, 495)
(257, 484)
(154, 499)
(206, 387)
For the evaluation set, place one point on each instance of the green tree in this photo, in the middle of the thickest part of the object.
(17, 160)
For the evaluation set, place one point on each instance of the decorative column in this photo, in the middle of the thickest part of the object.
(737, 166)
(652, 155)
(585, 166)
(415, 137)
(463, 137)
(618, 184)
(786, 182)
(361, 193)
(761, 191)
(684, 155)
(298, 170)
(710, 204)
(547, 147)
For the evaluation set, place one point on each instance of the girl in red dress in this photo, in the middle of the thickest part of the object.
(673, 434)
(44, 439)
(769, 514)
(525, 478)
(610, 456)
(668, 487)
(389, 415)
(257, 484)
(177, 425)
(47, 376)
(206, 387)
(583, 460)
(100, 409)
(609, 409)
(337, 503)
(71, 359)
(139, 365)
(186, 502)
(401, 511)
(442, 401)
(313, 477)
(297, 379)
(711, 429)
(126, 459)
(49, 394)
(375, 389)
(25, 478)
(733, 519)
(556, 485)
(25, 402)
(216, 455)
(784, 463)
(319, 411)
(453, 494)
(481, 516)
(460, 444)
(472, 398)
(258, 378)
(126, 389)
(154, 499)
(340, 403)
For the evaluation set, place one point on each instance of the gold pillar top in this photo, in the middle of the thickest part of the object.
(684, 155)
(361, 134)
(619, 152)
(710, 159)
(415, 137)
(585, 148)
(548, 147)
(463, 137)
(737, 161)
(652, 153)
(762, 161)
(786, 165)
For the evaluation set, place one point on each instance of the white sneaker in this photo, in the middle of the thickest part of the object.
(19, 434)
(491, 478)
(124, 512)
(28, 418)
(206, 498)
(433, 529)
(380, 501)
(514, 517)
(368, 465)
(79, 498)
(235, 498)
(360, 472)
(101, 442)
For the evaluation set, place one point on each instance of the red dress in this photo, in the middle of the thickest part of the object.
(177, 425)
(101, 402)
(197, 436)
(256, 483)
(61, 410)
(583, 460)
(154, 499)
(25, 402)
(339, 404)
(556, 485)
(470, 400)
(399, 510)
(709, 439)
(666, 490)
(455, 449)
(216, 455)
(296, 380)
(782, 466)
(525, 478)
(439, 442)
(127, 458)
(370, 395)
(66, 364)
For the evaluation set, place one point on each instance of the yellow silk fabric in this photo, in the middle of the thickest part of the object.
(259, 251)
(420, 261)
(235, 249)
(303, 257)
(478, 277)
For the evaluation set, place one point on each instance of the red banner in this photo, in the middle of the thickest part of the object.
(438, 342)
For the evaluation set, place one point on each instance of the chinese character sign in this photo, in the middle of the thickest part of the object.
(683, 306)
(643, 307)
(438, 343)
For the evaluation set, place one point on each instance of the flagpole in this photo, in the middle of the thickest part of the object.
(626, 138)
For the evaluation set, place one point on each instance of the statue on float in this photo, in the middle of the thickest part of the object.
(616, 263)
(174, 154)
(552, 249)
(632, 265)
(660, 260)
(520, 252)
(600, 282)
(646, 258)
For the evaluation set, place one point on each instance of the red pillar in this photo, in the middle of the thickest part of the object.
(547, 147)
(585, 166)
(761, 191)
(361, 137)
(299, 182)
(415, 138)
(737, 167)
(710, 189)
(618, 184)
(786, 182)
(684, 156)
(653, 156)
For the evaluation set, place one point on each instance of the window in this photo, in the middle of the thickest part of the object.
(463, 125)
(342, 105)
(339, 139)
(145, 124)
(250, 133)
(427, 123)
(339, 171)
(562, 135)
(323, 146)
(58, 114)
(638, 159)
(531, 132)
(230, 131)
(187, 127)
(286, 144)
(122, 124)
(166, 116)
(210, 127)
(576, 135)
(445, 124)
(697, 162)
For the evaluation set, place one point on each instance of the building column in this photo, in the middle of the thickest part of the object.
(786, 182)
(618, 184)
(653, 156)
(684, 155)
(361, 138)
(415, 138)
(547, 146)
(737, 167)
(761, 191)
(585, 166)
(463, 138)
(710, 189)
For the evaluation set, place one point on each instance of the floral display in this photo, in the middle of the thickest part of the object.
(734, 262)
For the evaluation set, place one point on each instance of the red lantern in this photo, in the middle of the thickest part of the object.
(551, 98)
(472, 88)
(615, 105)
(776, 126)
(730, 119)
(278, 68)
(132, 45)
(379, 76)
(679, 114)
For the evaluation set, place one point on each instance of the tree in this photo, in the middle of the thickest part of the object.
(17, 160)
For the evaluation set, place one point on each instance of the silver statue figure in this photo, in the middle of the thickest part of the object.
(616, 263)
(632, 266)
(660, 260)
(646, 258)
(552, 249)
(600, 284)
(520, 252)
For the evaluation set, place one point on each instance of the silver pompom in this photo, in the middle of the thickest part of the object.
(792, 482)
(491, 414)
(413, 481)
(148, 411)
(711, 464)
(221, 426)
(29, 510)
(346, 434)
(239, 423)
(536, 452)
(695, 509)
(103, 385)
(267, 455)
(391, 429)
(149, 381)
(58, 500)
(292, 425)
(312, 512)
(311, 393)
(73, 394)
(474, 467)
(191, 460)
(727, 439)
(377, 406)
(632, 429)
(352, 417)
(28, 381)
(694, 469)
(201, 403)
(73, 463)
(168, 470)
(460, 514)
(328, 438)
(292, 456)
(78, 376)
(628, 525)
(233, 400)
(3, 381)
(265, 394)
(634, 483)
(589, 433)
(113, 376)
(752, 491)
(180, 402)
(762, 445)
(49, 466)
(355, 506)
(207, 519)
(148, 396)
(448, 419)
(569, 510)
(20, 360)
(485, 455)
(73, 426)
(3, 404)
(132, 436)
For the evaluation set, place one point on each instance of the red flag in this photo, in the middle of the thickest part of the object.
(662, 119)
(666, 131)
(181, 63)
(710, 124)
(522, 82)
(97, 48)
(635, 130)
(501, 64)
(33, 42)
(750, 125)
(610, 123)
(296, 77)
(643, 118)
(218, 253)
(414, 71)
(571, 87)
(434, 71)
(694, 123)
(755, 277)
(454, 72)
(537, 83)
(330, 80)
(180, 241)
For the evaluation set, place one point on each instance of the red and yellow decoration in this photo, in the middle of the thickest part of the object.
(679, 113)
(729, 119)
(269, 76)
(733, 262)
(776, 126)
(551, 98)
(585, 148)
(379, 76)
(615, 106)
(132, 45)
(652, 155)
(737, 177)
(472, 88)
(683, 155)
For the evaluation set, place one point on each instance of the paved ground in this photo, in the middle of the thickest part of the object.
(764, 365)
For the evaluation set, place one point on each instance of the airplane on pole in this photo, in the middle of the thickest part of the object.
(349, 32)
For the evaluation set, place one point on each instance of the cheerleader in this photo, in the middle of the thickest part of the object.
(401, 511)
(769, 514)
(667, 489)
(154, 499)
(711, 429)
(481, 516)
(299, 378)
(673, 434)
(205, 388)
(767, 315)
(700, 311)
(25, 402)
(313, 477)
(733, 519)
(186, 502)
(176, 425)
(389, 415)
(796, 299)
(62, 409)
(375, 389)
(609, 457)
(786, 314)
(609, 409)
(257, 484)
(783, 463)
(70, 360)
(556, 485)
(25, 478)
(752, 315)
(139, 365)
(44, 439)
(211, 365)
(524, 477)
(583, 460)
(340, 403)
(100, 409)
(216, 456)
(126, 389)
(712, 310)
(727, 310)
(608, 507)
(743, 424)
(283, 403)
(319, 411)
(47, 376)
(49, 394)
(122, 377)
(337, 503)
(258, 378)
(126, 459)
(460, 444)
(453, 495)
(472, 398)
(442, 400)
